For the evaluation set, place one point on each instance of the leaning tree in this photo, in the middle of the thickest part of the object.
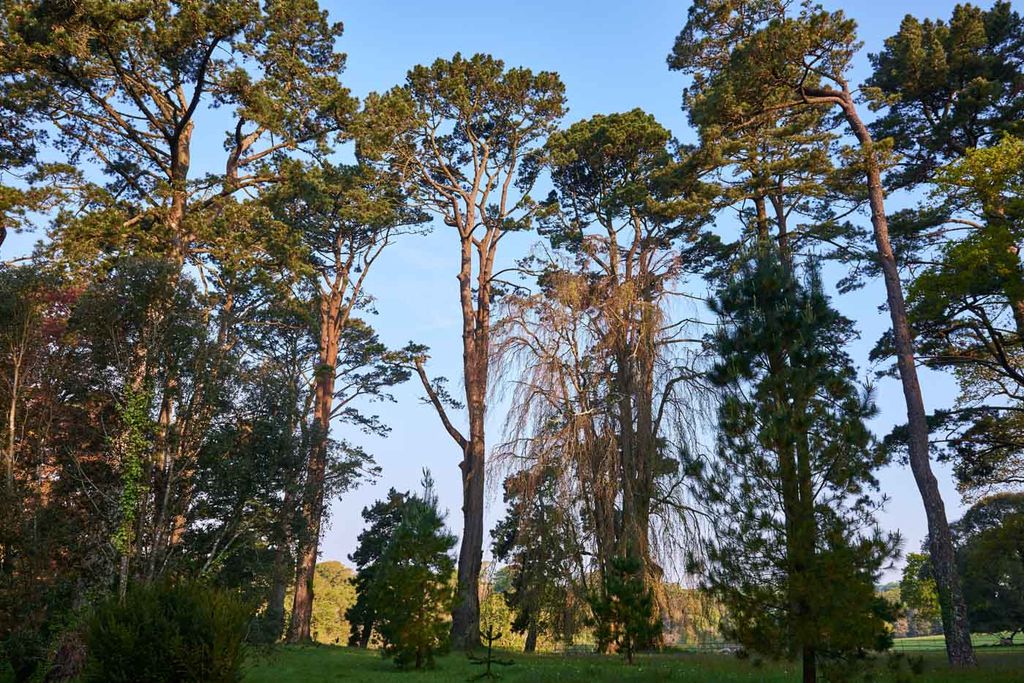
(773, 59)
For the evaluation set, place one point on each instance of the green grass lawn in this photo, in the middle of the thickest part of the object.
(921, 643)
(324, 663)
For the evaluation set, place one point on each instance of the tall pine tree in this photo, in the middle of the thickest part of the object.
(797, 548)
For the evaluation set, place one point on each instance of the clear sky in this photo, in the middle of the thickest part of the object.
(611, 56)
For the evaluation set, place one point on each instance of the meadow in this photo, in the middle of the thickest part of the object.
(327, 663)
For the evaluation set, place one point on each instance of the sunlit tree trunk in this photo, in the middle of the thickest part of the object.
(954, 610)
(313, 501)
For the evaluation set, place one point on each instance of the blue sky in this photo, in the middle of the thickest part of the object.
(611, 56)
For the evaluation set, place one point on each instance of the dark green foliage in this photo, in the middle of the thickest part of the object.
(381, 519)
(797, 548)
(948, 86)
(533, 542)
(408, 591)
(991, 538)
(167, 632)
(624, 611)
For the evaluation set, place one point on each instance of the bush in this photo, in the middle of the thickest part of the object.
(164, 632)
(624, 613)
(20, 653)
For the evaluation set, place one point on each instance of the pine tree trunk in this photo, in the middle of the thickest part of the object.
(278, 592)
(1017, 307)
(954, 610)
(162, 465)
(630, 532)
(313, 504)
(466, 614)
(302, 601)
(476, 312)
(280, 572)
(646, 440)
(163, 472)
(12, 424)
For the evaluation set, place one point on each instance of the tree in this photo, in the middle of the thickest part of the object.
(410, 590)
(461, 135)
(345, 217)
(919, 594)
(125, 92)
(489, 660)
(962, 300)
(532, 540)
(335, 595)
(600, 370)
(950, 98)
(947, 87)
(381, 519)
(624, 611)
(773, 171)
(127, 87)
(796, 550)
(773, 60)
(993, 560)
(619, 206)
(29, 301)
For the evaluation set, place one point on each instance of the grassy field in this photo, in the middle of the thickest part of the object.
(324, 663)
(922, 643)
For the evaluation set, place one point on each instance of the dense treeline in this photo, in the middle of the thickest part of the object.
(183, 355)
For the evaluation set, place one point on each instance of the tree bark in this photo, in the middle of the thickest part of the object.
(309, 544)
(1017, 307)
(365, 634)
(12, 424)
(161, 466)
(280, 572)
(954, 611)
(531, 637)
(278, 592)
(476, 326)
(466, 614)
(809, 665)
(313, 504)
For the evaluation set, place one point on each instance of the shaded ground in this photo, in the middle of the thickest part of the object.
(324, 663)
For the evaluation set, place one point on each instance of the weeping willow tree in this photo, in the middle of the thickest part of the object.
(598, 367)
